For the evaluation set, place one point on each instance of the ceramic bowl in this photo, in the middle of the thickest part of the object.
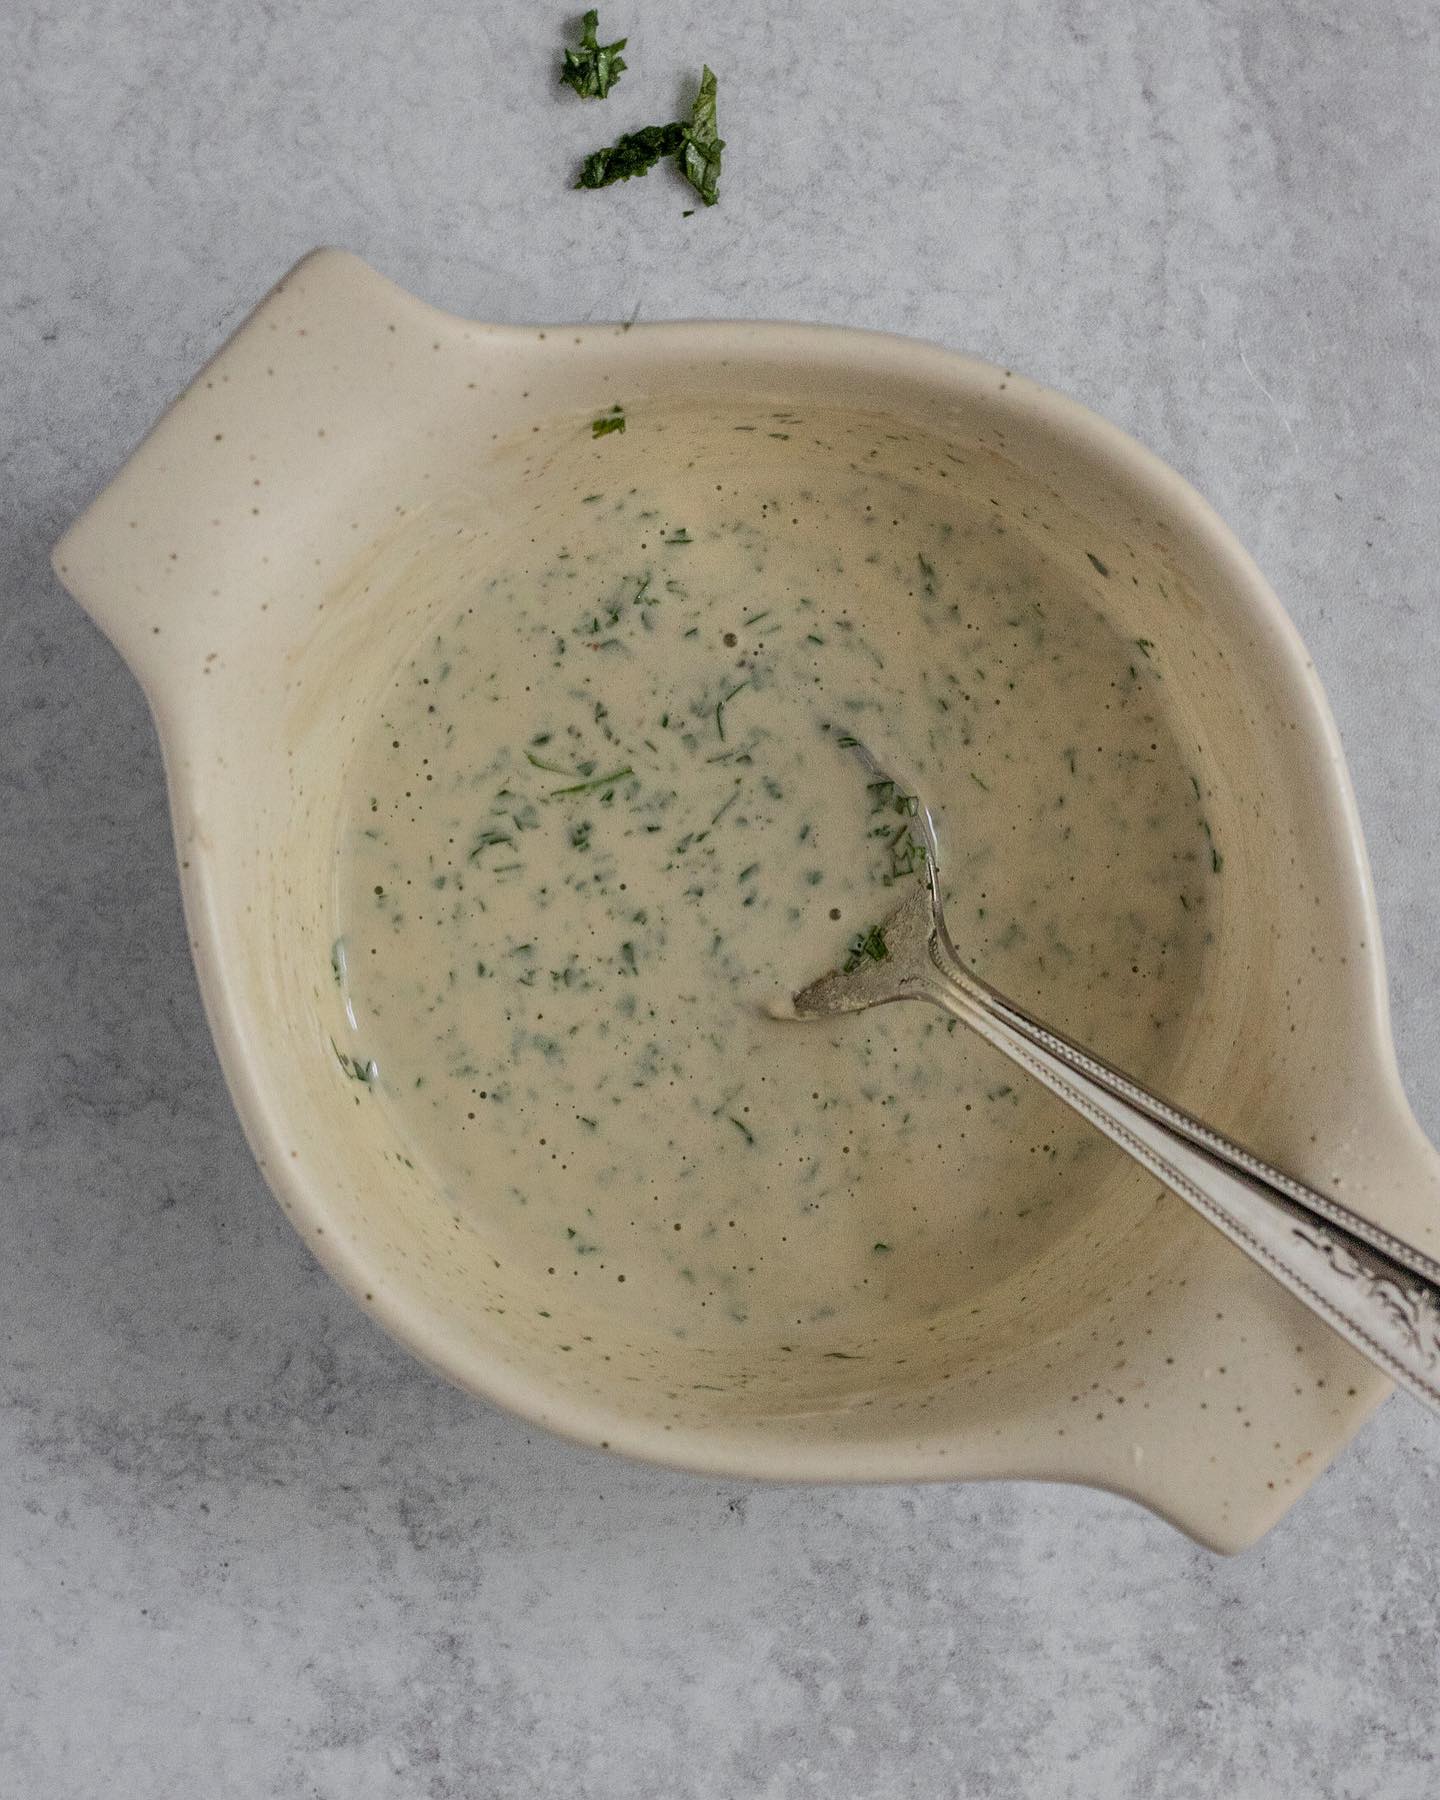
(272, 550)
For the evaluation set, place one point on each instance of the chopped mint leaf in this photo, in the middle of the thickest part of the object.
(636, 153)
(696, 145)
(701, 150)
(594, 68)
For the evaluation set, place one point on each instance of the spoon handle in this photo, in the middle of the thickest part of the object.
(1377, 1291)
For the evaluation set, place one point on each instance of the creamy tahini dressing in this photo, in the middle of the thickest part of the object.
(604, 819)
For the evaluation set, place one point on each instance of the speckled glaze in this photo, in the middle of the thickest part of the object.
(279, 543)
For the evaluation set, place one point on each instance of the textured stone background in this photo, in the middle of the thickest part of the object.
(248, 1549)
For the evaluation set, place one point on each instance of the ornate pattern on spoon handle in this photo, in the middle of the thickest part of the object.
(1407, 1305)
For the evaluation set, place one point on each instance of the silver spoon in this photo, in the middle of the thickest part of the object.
(1377, 1291)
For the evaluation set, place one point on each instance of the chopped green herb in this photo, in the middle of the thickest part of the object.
(636, 153)
(907, 854)
(585, 787)
(868, 946)
(594, 68)
(487, 840)
(551, 768)
(722, 704)
(885, 796)
(696, 144)
(359, 1068)
(702, 144)
(614, 420)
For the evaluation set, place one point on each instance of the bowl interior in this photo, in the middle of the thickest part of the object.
(1008, 1276)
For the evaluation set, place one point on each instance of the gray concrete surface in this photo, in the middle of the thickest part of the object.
(247, 1548)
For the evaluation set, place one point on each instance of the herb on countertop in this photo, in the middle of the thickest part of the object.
(594, 68)
(703, 145)
(636, 153)
(614, 420)
(695, 143)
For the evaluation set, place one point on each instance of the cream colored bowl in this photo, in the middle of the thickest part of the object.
(278, 543)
